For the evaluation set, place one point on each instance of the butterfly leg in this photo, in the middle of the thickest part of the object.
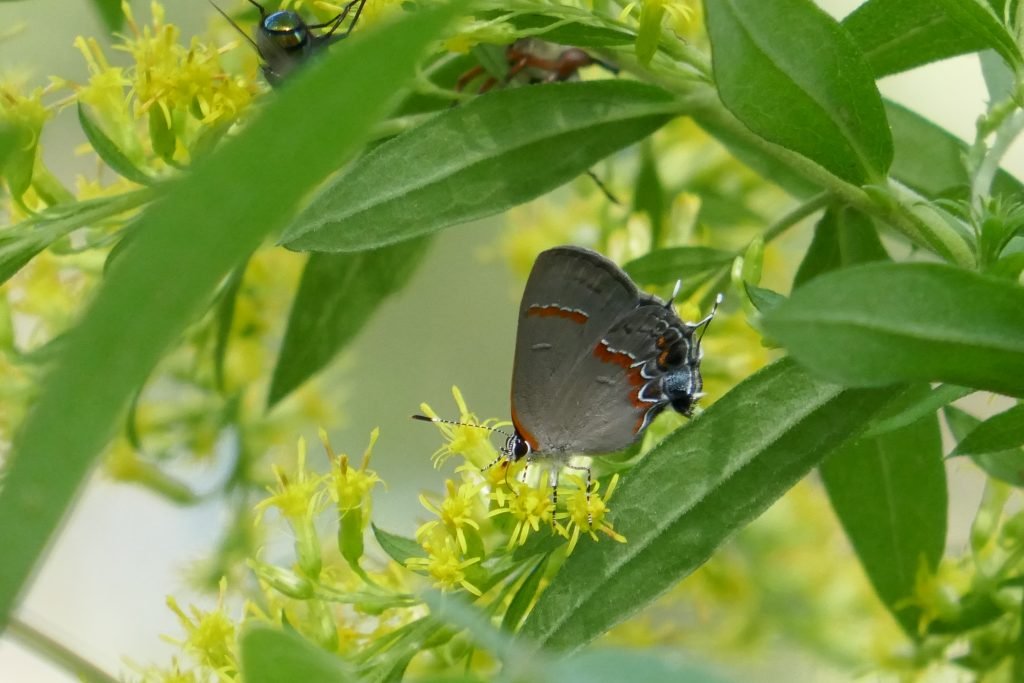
(553, 482)
(590, 481)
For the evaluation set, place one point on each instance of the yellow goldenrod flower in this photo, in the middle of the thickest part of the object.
(937, 593)
(373, 11)
(444, 563)
(531, 507)
(457, 511)
(298, 497)
(587, 513)
(472, 32)
(176, 93)
(24, 112)
(470, 440)
(350, 487)
(209, 636)
(174, 673)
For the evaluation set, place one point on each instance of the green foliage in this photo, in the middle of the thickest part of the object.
(911, 276)
(743, 453)
(441, 174)
(896, 536)
(810, 91)
(337, 295)
(874, 324)
(185, 245)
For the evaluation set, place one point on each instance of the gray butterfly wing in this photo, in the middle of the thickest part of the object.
(614, 390)
(572, 298)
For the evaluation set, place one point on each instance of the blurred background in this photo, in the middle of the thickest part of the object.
(101, 592)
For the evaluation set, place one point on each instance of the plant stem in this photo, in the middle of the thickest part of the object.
(56, 653)
(1007, 132)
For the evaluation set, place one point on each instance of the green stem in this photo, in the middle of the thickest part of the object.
(981, 187)
(800, 212)
(784, 223)
(56, 653)
(893, 204)
(399, 124)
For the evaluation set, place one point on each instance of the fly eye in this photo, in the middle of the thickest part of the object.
(286, 29)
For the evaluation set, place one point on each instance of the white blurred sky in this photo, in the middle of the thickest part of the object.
(102, 589)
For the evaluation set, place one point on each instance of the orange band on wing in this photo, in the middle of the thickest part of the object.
(549, 310)
(522, 432)
(626, 362)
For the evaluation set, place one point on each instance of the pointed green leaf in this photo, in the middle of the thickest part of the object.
(897, 35)
(789, 72)
(977, 18)
(665, 266)
(111, 13)
(108, 151)
(398, 548)
(695, 489)
(337, 295)
(884, 323)
(523, 598)
(998, 433)
(20, 146)
(269, 655)
(184, 246)
(889, 493)
(763, 299)
(843, 237)
(649, 193)
(1005, 465)
(917, 409)
(476, 160)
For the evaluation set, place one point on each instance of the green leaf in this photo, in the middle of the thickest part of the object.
(930, 159)
(723, 126)
(185, 245)
(161, 134)
(19, 159)
(476, 160)
(843, 237)
(884, 323)
(763, 299)
(337, 295)
(1005, 465)
(897, 35)
(664, 266)
(269, 655)
(8, 143)
(998, 433)
(649, 193)
(108, 151)
(978, 19)
(791, 74)
(889, 493)
(696, 488)
(523, 598)
(398, 548)
(224, 311)
(21, 243)
(924, 405)
(111, 13)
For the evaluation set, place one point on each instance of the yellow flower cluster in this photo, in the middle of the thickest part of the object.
(172, 102)
(468, 515)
